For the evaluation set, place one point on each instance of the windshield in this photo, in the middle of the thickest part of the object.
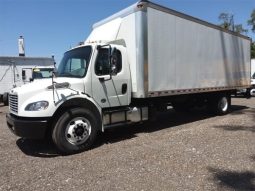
(75, 62)
(39, 73)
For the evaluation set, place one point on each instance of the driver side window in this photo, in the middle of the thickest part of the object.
(102, 66)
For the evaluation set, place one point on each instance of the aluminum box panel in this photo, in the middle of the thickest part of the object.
(171, 53)
(183, 55)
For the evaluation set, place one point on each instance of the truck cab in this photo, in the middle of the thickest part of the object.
(90, 78)
(102, 71)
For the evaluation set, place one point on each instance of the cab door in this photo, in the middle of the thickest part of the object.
(26, 75)
(111, 82)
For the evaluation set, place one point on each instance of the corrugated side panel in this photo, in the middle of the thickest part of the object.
(6, 78)
(183, 54)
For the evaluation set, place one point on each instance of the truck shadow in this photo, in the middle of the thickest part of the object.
(242, 181)
(237, 128)
(238, 109)
(37, 148)
(169, 119)
(165, 120)
(240, 127)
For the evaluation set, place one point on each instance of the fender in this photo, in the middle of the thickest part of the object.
(84, 101)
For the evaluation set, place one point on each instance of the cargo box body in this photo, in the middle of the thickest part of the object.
(171, 53)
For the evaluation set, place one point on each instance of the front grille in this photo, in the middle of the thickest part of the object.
(13, 102)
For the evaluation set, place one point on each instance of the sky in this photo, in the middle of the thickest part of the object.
(51, 27)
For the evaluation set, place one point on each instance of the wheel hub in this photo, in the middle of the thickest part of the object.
(78, 130)
(224, 104)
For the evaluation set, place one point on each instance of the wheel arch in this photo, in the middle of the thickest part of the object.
(74, 103)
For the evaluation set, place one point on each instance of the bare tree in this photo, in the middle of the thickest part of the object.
(227, 21)
(239, 29)
(251, 21)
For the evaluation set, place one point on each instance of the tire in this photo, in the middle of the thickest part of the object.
(6, 99)
(75, 131)
(248, 93)
(221, 104)
(252, 92)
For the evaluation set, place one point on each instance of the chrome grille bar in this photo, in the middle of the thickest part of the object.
(13, 103)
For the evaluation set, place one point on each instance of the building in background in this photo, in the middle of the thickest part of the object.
(16, 71)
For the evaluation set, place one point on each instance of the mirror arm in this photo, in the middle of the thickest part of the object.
(102, 79)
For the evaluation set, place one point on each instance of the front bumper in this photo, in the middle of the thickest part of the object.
(33, 128)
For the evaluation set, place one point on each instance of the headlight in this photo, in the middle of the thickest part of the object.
(37, 106)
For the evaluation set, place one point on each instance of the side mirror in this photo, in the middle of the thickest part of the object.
(113, 62)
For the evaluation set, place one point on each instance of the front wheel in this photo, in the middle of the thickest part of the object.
(75, 130)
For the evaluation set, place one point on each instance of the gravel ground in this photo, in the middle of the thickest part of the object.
(192, 151)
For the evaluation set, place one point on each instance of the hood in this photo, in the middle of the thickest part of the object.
(33, 86)
(43, 84)
(42, 90)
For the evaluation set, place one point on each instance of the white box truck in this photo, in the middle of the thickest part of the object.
(144, 58)
(16, 71)
(253, 77)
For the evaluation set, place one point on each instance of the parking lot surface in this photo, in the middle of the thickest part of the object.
(179, 151)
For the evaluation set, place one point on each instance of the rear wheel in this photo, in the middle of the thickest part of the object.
(6, 98)
(75, 130)
(221, 104)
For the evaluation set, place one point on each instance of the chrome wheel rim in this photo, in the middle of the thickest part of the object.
(223, 104)
(78, 131)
